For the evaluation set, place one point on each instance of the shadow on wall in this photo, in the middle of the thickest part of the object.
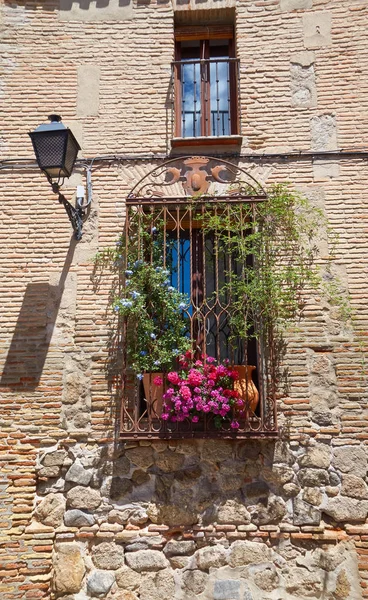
(32, 335)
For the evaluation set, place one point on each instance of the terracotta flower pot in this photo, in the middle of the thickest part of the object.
(246, 388)
(153, 394)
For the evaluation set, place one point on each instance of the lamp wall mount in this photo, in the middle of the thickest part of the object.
(75, 215)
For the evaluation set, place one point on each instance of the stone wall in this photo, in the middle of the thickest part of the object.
(83, 514)
(204, 519)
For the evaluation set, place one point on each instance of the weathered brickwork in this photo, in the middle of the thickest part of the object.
(83, 515)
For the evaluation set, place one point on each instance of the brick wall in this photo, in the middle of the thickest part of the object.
(303, 87)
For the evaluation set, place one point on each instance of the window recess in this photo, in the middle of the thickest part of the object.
(205, 92)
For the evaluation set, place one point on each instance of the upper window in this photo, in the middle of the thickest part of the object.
(205, 83)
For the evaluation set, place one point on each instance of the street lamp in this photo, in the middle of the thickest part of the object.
(56, 151)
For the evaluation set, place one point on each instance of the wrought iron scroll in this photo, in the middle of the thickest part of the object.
(200, 178)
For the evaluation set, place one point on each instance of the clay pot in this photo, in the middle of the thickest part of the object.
(246, 388)
(153, 394)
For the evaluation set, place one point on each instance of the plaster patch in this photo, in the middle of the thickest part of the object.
(317, 29)
(88, 90)
(77, 128)
(305, 58)
(325, 169)
(323, 132)
(303, 86)
(93, 10)
(290, 5)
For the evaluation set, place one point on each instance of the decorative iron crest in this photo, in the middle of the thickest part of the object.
(196, 177)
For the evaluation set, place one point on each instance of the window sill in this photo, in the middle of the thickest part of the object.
(217, 143)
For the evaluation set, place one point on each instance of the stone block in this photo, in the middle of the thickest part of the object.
(172, 515)
(303, 85)
(354, 487)
(127, 579)
(302, 583)
(83, 498)
(132, 513)
(179, 548)
(323, 132)
(146, 560)
(318, 456)
(210, 558)
(78, 474)
(317, 29)
(312, 495)
(226, 589)
(99, 583)
(108, 556)
(51, 510)
(55, 458)
(348, 510)
(243, 553)
(195, 581)
(325, 169)
(305, 514)
(169, 461)
(142, 456)
(313, 477)
(88, 90)
(272, 512)
(290, 5)
(78, 518)
(233, 513)
(69, 569)
(351, 460)
(267, 579)
(158, 586)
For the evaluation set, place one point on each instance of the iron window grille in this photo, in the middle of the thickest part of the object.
(199, 267)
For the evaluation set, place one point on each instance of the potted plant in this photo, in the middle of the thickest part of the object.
(203, 387)
(155, 325)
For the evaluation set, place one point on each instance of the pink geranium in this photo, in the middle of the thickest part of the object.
(195, 378)
(173, 377)
(202, 387)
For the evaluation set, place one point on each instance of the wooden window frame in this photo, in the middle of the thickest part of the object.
(204, 35)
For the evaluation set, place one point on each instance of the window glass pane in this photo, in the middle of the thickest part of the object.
(191, 100)
(219, 88)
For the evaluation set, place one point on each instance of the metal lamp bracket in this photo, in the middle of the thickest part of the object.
(75, 215)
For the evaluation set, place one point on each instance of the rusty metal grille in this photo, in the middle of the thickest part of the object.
(199, 267)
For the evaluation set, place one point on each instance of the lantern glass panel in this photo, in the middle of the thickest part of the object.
(71, 154)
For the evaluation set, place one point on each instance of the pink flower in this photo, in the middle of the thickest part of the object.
(185, 392)
(195, 419)
(210, 359)
(195, 377)
(158, 381)
(234, 425)
(174, 378)
(165, 416)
